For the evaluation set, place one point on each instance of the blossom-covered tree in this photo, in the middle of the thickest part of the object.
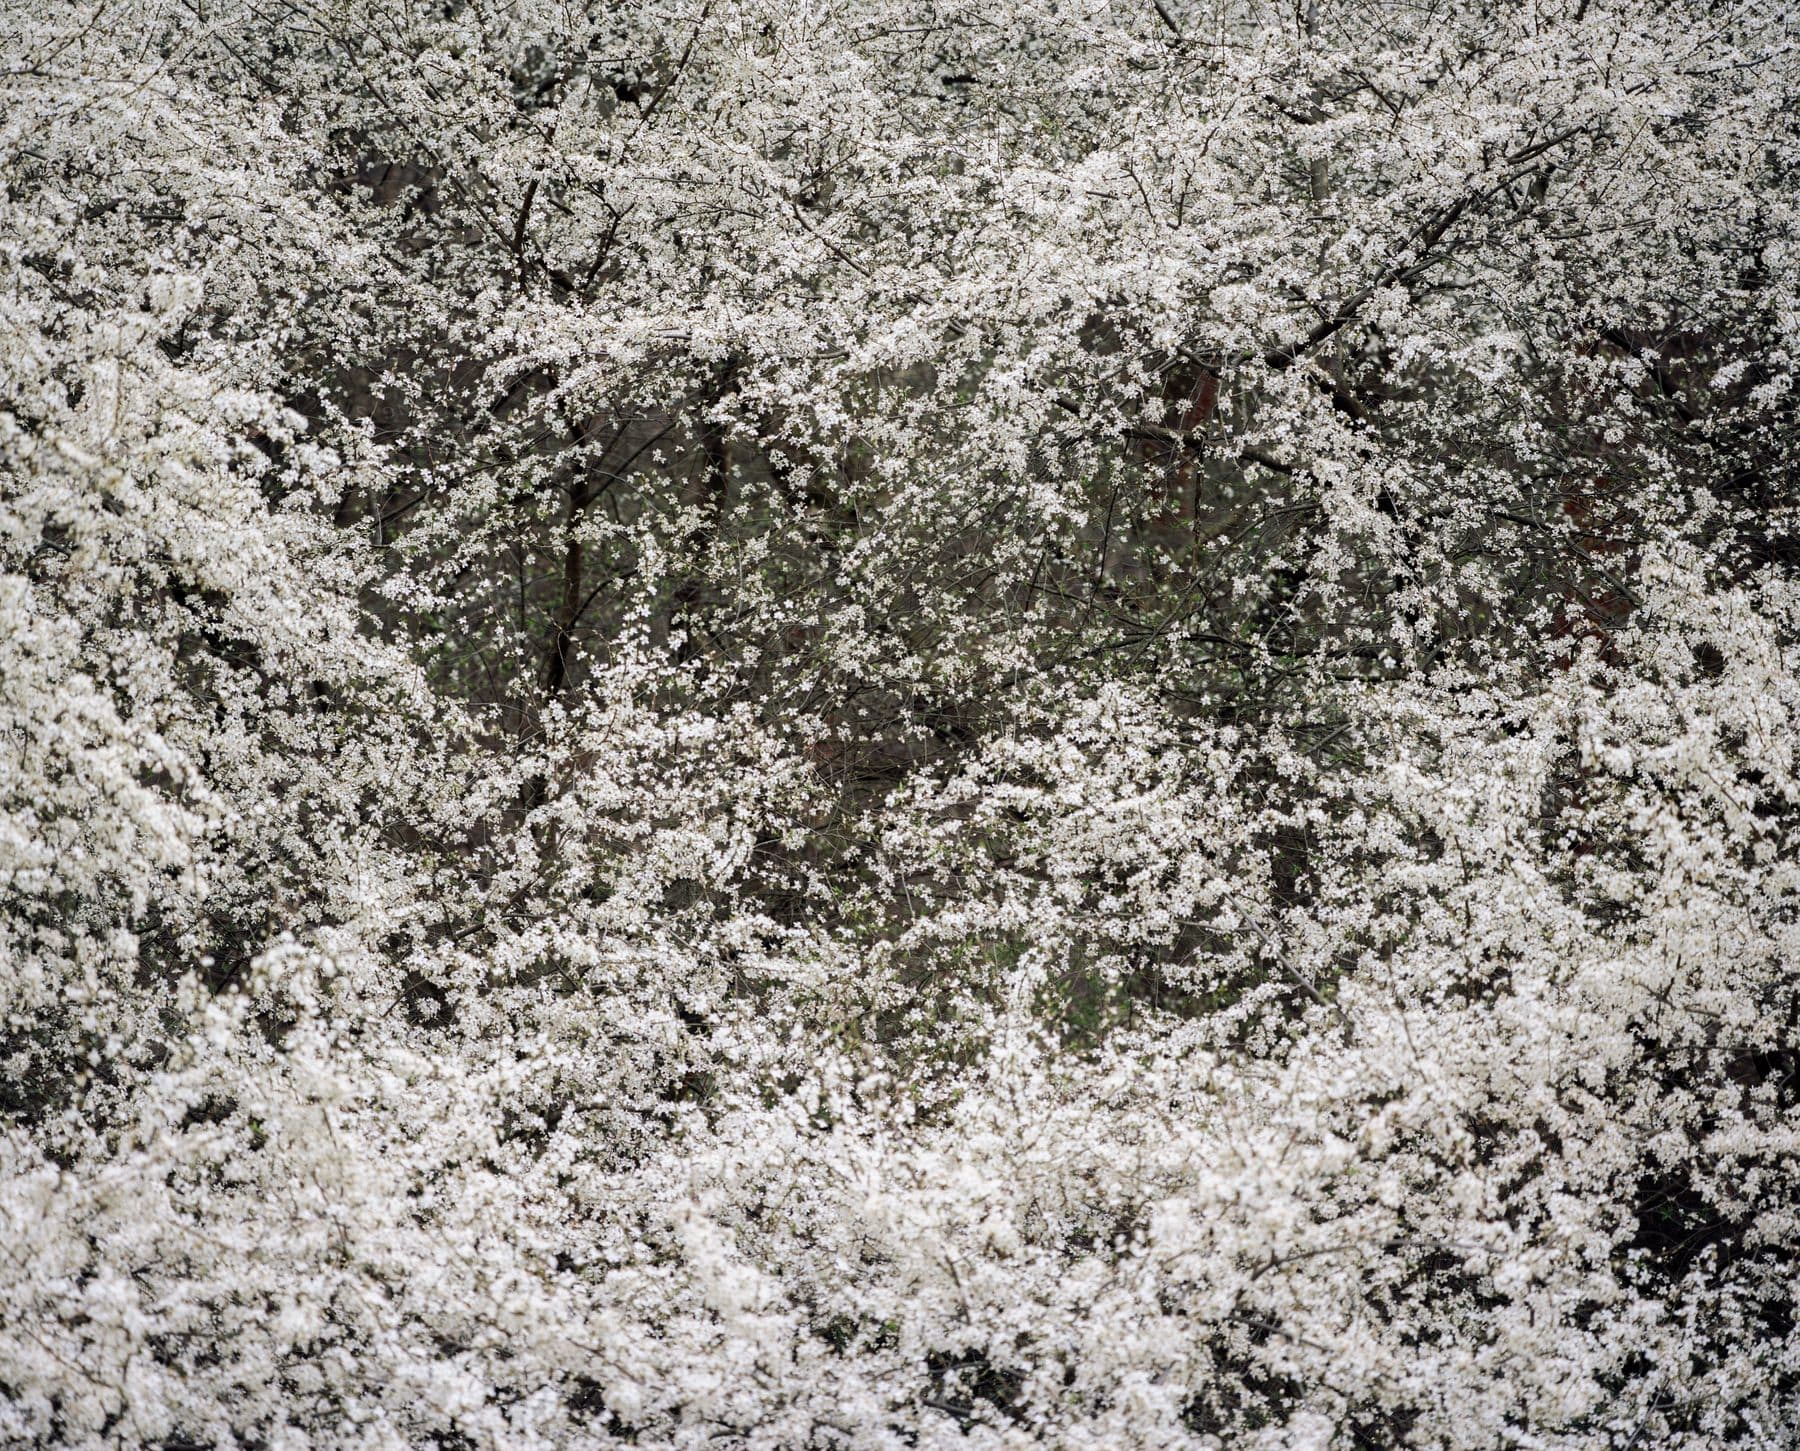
(870, 723)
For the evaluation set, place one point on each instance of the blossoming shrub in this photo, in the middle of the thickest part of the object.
(867, 724)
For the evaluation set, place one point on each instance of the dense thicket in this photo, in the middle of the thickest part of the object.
(876, 723)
